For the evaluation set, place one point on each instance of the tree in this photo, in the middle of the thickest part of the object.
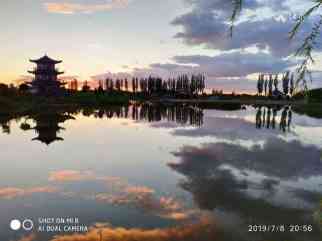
(133, 85)
(86, 87)
(4, 89)
(270, 84)
(23, 88)
(126, 84)
(100, 87)
(286, 81)
(118, 85)
(111, 87)
(107, 84)
(292, 85)
(276, 83)
(260, 84)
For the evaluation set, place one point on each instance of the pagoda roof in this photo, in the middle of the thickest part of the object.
(47, 140)
(45, 59)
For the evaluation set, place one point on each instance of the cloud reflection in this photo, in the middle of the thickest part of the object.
(204, 230)
(31, 237)
(72, 8)
(13, 192)
(265, 183)
(120, 192)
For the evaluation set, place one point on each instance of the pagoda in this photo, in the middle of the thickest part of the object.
(46, 77)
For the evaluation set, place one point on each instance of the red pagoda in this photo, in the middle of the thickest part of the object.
(46, 77)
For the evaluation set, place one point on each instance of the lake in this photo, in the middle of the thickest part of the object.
(146, 172)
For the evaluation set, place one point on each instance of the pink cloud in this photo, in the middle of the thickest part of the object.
(70, 176)
(204, 229)
(13, 192)
(30, 237)
(72, 8)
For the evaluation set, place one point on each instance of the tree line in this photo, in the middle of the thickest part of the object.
(268, 85)
(183, 84)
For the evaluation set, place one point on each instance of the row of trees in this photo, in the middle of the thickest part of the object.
(183, 84)
(265, 84)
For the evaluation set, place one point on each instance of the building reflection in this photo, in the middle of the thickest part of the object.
(46, 125)
(267, 117)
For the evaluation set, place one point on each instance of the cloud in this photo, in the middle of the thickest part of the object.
(235, 64)
(13, 192)
(79, 176)
(70, 176)
(205, 28)
(72, 8)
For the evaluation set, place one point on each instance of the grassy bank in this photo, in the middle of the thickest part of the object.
(27, 103)
(19, 103)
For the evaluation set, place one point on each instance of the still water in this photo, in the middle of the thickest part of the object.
(161, 173)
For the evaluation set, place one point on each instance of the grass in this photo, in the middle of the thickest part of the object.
(314, 95)
(28, 103)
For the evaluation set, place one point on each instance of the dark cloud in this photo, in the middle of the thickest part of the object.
(236, 64)
(264, 26)
(210, 30)
(233, 64)
(208, 24)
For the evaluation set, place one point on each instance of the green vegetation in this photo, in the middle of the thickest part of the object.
(313, 96)
(92, 98)
(21, 103)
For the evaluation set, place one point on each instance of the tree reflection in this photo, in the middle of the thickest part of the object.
(5, 123)
(47, 121)
(266, 118)
(181, 114)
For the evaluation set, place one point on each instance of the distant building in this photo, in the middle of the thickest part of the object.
(46, 77)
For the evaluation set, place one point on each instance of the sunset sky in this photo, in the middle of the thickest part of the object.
(142, 37)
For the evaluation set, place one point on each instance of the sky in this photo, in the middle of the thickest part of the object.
(100, 38)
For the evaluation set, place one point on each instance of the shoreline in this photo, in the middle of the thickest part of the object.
(236, 101)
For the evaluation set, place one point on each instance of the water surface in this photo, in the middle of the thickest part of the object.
(162, 173)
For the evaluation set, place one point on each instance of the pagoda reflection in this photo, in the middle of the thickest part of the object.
(47, 126)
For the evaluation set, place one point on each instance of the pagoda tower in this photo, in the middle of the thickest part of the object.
(46, 77)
